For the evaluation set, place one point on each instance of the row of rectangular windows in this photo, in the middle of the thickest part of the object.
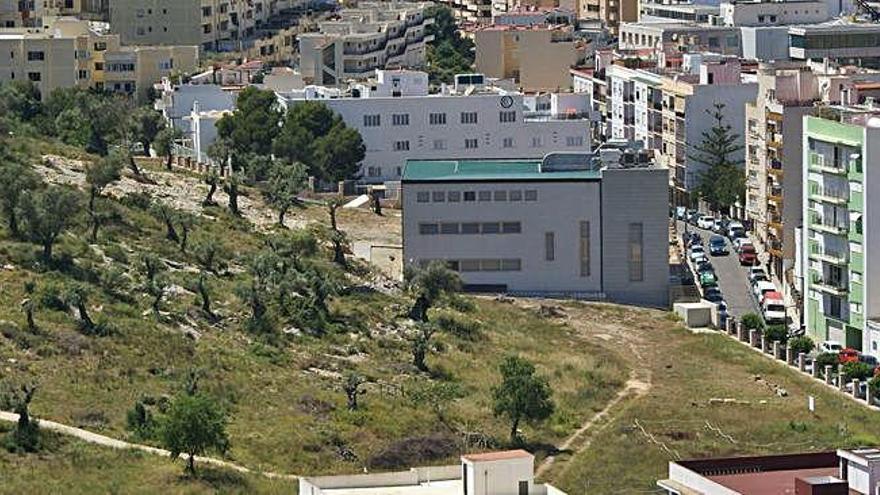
(402, 119)
(466, 228)
(473, 143)
(470, 196)
(481, 265)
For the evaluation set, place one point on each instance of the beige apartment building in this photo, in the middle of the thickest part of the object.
(214, 25)
(610, 12)
(18, 13)
(70, 53)
(376, 35)
(538, 58)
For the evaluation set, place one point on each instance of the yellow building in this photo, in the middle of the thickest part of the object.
(538, 58)
(610, 12)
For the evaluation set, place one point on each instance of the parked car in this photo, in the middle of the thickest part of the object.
(693, 217)
(717, 246)
(680, 213)
(863, 389)
(762, 288)
(706, 222)
(695, 252)
(748, 256)
(692, 239)
(739, 242)
(713, 294)
(755, 273)
(708, 279)
(735, 230)
(720, 226)
(830, 346)
(773, 308)
(705, 266)
(848, 355)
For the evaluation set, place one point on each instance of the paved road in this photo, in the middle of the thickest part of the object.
(732, 278)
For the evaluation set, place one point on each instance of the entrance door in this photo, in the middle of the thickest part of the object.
(523, 488)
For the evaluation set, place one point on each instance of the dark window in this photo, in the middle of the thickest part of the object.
(511, 227)
(449, 228)
(470, 228)
(491, 228)
(428, 229)
(470, 196)
(549, 246)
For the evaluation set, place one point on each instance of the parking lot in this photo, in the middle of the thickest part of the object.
(732, 279)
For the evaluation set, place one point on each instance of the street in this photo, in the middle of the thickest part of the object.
(732, 278)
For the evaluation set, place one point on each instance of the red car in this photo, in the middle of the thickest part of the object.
(848, 355)
(748, 255)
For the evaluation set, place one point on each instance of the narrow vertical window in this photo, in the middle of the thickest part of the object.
(584, 248)
(549, 246)
(636, 260)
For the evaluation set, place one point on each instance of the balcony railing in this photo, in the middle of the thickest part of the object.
(817, 222)
(832, 256)
(831, 285)
(819, 163)
(829, 195)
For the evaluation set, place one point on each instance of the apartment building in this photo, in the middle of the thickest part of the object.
(213, 25)
(838, 41)
(769, 13)
(584, 225)
(676, 11)
(376, 35)
(537, 58)
(74, 53)
(610, 12)
(685, 36)
(18, 13)
(399, 120)
(471, 11)
(669, 109)
(842, 226)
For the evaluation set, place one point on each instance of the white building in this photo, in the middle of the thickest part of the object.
(399, 120)
(583, 225)
(493, 473)
(765, 13)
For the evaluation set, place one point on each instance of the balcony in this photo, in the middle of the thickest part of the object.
(832, 256)
(828, 195)
(818, 223)
(774, 195)
(832, 286)
(775, 168)
(819, 163)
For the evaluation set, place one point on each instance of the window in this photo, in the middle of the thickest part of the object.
(439, 144)
(468, 117)
(537, 142)
(500, 196)
(713, 41)
(470, 196)
(470, 144)
(485, 196)
(35, 76)
(490, 265)
(515, 195)
(531, 195)
(438, 196)
(855, 307)
(428, 229)
(549, 246)
(584, 248)
(636, 260)
(574, 140)
(437, 118)
(400, 119)
(401, 146)
(511, 228)
(470, 228)
(453, 196)
(834, 306)
(490, 228)
(507, 116)
(507, 142)
(449, 228)
(511, 265)
(470, 265)
(372, 120)
(422, 197)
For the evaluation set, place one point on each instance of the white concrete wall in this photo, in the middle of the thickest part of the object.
(499, 477)
(871, 225)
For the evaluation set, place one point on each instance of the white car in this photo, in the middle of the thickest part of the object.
(762, 288)
(830, 346)
(697, 251)
(735, 230)
(706, 222)
(739, 242)
(757, 273)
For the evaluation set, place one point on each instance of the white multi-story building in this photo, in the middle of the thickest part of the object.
(376, 35)
(688, 36)
(399, 120)
(669, 110)
(588, 225)
(764, 13)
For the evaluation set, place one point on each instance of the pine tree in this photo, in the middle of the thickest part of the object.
(722, 183)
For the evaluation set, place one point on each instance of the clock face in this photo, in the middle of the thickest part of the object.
(506, 101)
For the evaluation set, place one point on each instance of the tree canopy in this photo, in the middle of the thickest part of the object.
(449, 53)
(522, 394)
(253, 126)
(194, 425)
(722, 183)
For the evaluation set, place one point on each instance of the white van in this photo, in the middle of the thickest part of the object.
(773, 308)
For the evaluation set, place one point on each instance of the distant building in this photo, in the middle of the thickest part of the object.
(537, 58)
(845, 472)
(841, 42)
(373, 36)
(841, 226)
(399, 120)
(767, 13)
(685, 35)
(612, 13)
(677, 11)
(17, 13)
(493, 473)
(585, 225)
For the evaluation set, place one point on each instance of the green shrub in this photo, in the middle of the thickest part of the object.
(801, 344)
(857, 370)
(776, 332)
(460, 327)
(826, 358)
(752, 321)
(51, 295)
(116, 253)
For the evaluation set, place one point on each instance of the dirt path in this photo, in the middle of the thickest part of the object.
(97, 439)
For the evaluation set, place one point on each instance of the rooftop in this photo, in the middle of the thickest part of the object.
(497, 456)
(442, 487)
(488, 170)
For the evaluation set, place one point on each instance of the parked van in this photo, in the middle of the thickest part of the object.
(773, 308)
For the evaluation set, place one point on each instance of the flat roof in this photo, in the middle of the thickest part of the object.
(488, 170)
(444, 487)
(497, 456)
(770, 482)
